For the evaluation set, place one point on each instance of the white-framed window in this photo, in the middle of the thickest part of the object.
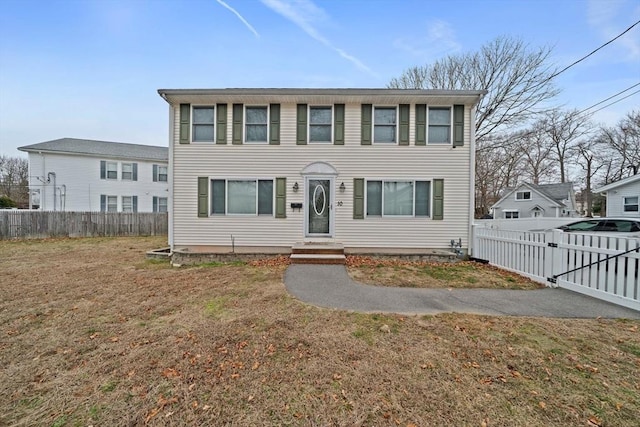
(523, 195)
(203, 126)
(160, 173)
(160, 204)
(256, 128)
(111, 203)
(242, 197)
(398, 198)
(385, 129)
(630, 204)
(511, 214)
(112, 170)
(439, 125)
(320, 124)
(129, 172)
(129, 203)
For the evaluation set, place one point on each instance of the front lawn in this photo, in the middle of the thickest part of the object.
(92, 333)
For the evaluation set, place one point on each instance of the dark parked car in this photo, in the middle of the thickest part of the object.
(625, 227)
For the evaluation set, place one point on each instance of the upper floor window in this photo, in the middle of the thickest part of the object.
(129, 171)
(111, 170)
(439, 125)
(203, 123)
(384, 124)
(523, 195)
(160, 173)
(320, 121)
(256, 124)
(630, 204)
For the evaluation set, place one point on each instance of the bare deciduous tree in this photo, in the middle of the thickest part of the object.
(622, 144)
(518, 81)
(564, 130)
(14, 179)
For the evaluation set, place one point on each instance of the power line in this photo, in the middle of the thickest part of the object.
(612, 96)
(615, 102)
(592, 52)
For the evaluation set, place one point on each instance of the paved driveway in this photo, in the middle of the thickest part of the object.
(330, 286)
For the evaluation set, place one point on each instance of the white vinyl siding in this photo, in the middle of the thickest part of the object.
(351, 160)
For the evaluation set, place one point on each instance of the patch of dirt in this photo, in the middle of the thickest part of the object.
(92, 333)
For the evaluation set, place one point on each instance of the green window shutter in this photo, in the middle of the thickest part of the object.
(366, 124)
(458, 125)
(236, 131)
(404, 124)
(135, 172)
(274, 125)
(358, 198)
(301, 125)
(103, 169)
(221, 124)
(155, 203)
(203, 196)
(135, 203)
(155, 173)
(281, 197)
(421, 124)
(338, 120)
(103, 203)
(438, 199)
(185, 125)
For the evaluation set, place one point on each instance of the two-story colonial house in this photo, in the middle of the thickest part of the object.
(376, 170)
(71, 174)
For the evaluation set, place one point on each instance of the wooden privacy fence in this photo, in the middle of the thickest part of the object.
(604, 267)
(17, 224)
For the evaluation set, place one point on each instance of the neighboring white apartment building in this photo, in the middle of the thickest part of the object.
(71, 174)
(377, 170)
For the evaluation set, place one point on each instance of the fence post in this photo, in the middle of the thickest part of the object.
(552, 256)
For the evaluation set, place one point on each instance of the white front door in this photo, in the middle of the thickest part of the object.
(319, 207)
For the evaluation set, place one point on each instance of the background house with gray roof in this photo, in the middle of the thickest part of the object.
(72, 174)
(531, 201)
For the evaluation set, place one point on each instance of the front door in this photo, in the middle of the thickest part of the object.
(319, 207)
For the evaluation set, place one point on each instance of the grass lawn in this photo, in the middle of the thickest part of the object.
(92, 333)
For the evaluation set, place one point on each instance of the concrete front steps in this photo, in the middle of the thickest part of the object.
(317, 253)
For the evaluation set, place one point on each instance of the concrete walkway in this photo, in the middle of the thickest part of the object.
(330, 286)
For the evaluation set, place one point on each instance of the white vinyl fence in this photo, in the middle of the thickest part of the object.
(604, 267)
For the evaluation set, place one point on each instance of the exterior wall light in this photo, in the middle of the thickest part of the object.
(295, 187)
(342, 187)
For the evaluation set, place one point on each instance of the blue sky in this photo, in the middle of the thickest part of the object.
(91, 68)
